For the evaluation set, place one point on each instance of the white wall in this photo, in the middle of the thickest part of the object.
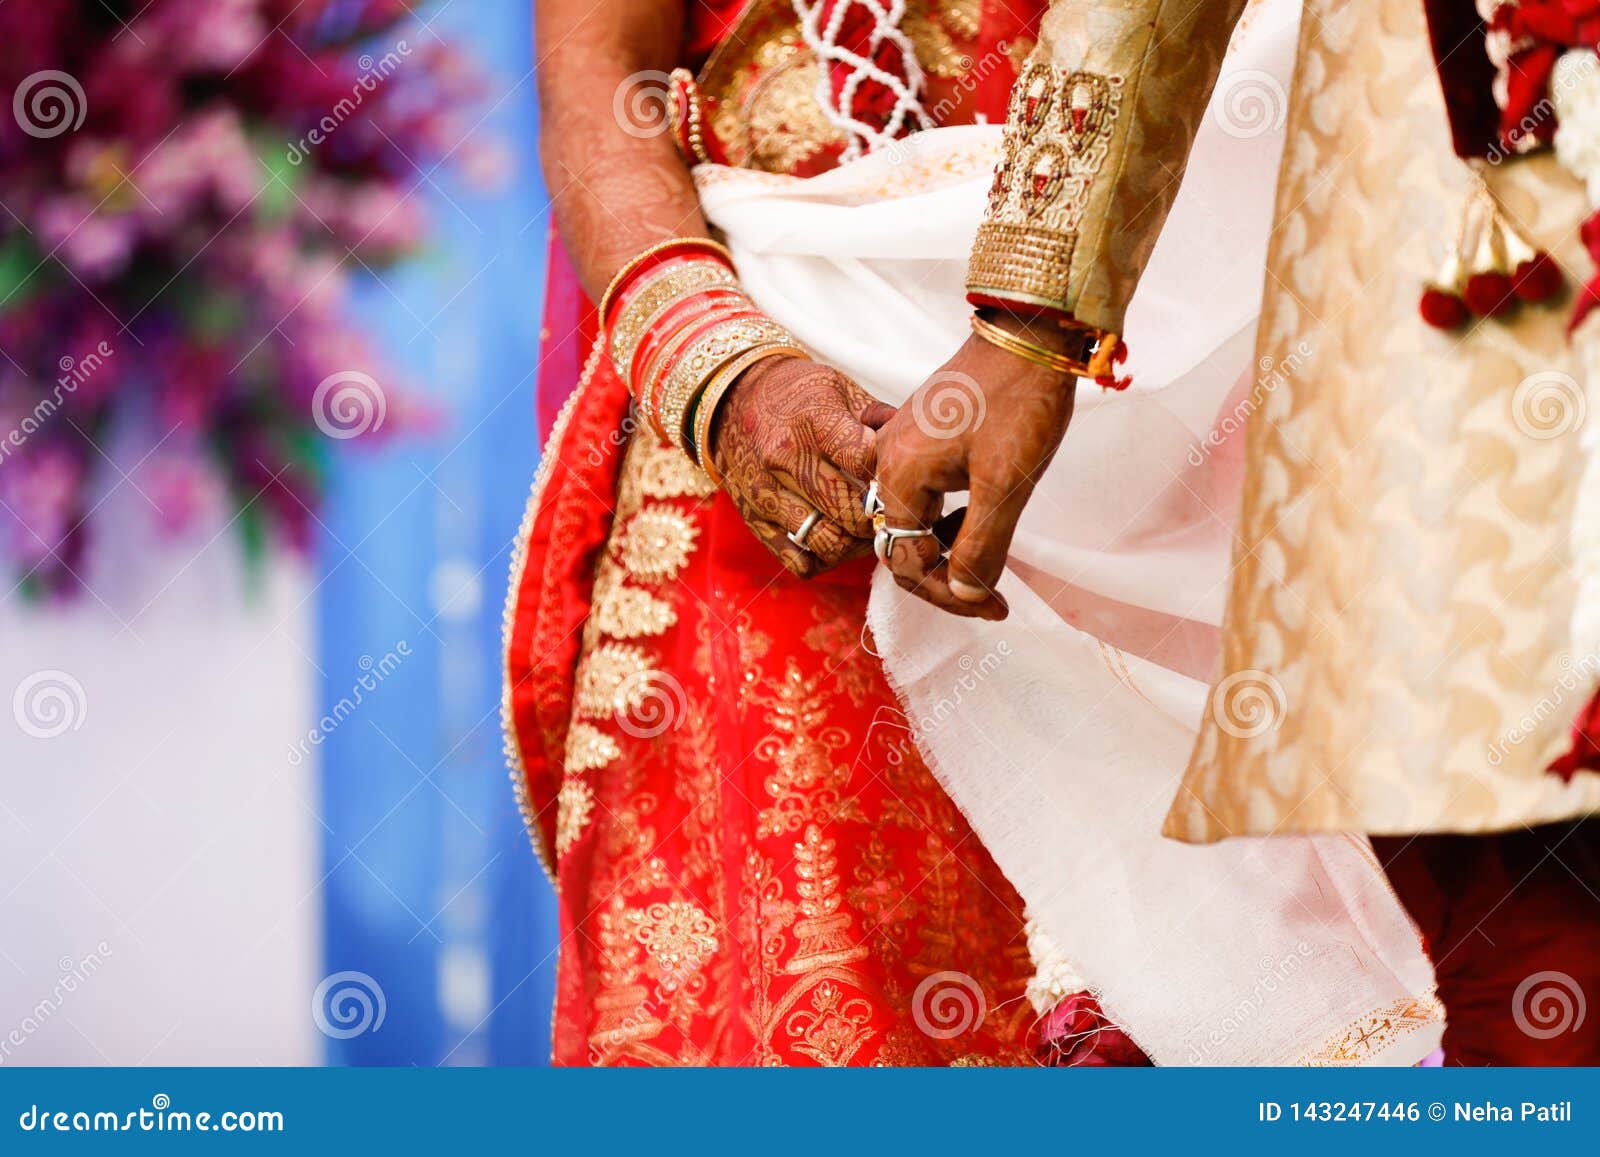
(159, 857)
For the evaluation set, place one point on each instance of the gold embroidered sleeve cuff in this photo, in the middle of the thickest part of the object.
(1016, 263)
(1097, 134)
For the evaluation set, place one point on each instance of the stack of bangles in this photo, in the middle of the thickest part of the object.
(1091, 353)
(680, 331)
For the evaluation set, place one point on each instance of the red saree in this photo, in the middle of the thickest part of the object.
(754, 865)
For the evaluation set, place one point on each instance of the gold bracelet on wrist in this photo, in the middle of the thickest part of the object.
(638, 259)
(654, 299)
(704, 408)
(1095, 361)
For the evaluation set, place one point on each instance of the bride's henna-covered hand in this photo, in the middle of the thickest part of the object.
(792, 436)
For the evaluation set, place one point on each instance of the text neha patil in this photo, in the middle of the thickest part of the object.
(1524, 1111)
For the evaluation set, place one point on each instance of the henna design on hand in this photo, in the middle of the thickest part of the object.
(792, 436)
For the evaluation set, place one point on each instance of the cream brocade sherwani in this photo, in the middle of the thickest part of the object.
(1402, 590)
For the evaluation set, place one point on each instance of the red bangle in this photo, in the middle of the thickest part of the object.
(675, 316)
(652, 258)
(651, 272)
(688, 336)
(669, 343)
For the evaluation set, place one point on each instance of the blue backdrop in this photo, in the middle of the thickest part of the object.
(431, 888)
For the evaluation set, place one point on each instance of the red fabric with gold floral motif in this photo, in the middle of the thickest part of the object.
(754, 865)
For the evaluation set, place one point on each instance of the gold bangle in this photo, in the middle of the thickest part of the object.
(1096, 361)
(651, 303)
(691, 371)
(698, 447)
(639, 259)
(1038, 355)
(644, 387)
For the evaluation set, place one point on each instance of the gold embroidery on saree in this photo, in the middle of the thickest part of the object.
(625, 612)
(612, 680)
(809, 782)
(588, 748)
(657, 543)
(574, 804)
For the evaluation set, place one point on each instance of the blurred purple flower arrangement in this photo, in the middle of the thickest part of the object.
(186, 187)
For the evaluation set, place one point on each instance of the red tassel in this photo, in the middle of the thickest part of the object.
(1538, 279)
(1489, 294)
(1111, 381)
(1442, 309)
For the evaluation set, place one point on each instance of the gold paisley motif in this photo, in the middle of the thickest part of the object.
(630, 613)
(588, 748)
(574, 806)
(611, 680)
(657, 544)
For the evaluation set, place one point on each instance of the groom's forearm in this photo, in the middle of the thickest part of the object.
(617, 181)
(1099, 129)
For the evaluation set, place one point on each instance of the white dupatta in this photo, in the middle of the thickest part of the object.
(1063, 732)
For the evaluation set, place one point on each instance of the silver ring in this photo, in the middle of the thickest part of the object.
(884, 541)
(872, 504)
(798, 537)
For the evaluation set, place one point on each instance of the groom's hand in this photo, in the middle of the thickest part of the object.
(794, 436)
(987, 422)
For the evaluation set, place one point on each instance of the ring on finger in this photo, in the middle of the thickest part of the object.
(887, 538)
(872, 504)
(798, 537)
